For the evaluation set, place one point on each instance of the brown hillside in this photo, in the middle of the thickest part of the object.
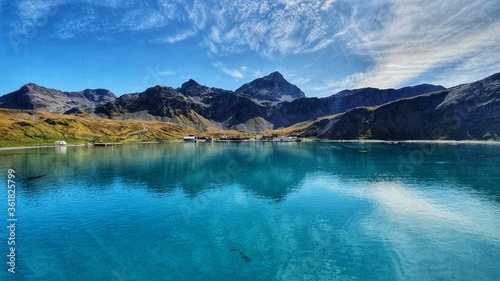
(25, 128)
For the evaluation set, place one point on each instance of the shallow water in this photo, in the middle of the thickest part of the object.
(255, 211)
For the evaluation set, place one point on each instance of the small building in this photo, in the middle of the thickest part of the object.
(190, 138)
(289, 139)
(59, 143)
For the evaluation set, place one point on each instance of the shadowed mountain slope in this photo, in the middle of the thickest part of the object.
(465, 112)
(34, 97)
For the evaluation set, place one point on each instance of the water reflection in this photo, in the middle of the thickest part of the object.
(267, 170)
(61, 149)
(311, 210)
(426, 229)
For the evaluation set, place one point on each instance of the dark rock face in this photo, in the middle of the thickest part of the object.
(271, 88)
(470, 111)
(220, 108)
(306, 109)
(235, 110)
(465, 112)
(269, 102)
(192, 88)
(156, 103)
(34, 97)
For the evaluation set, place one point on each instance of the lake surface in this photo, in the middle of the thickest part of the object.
(254, 211)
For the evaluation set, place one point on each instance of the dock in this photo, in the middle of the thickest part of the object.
(107, 143)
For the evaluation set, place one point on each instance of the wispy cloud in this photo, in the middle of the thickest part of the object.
(166, 73)
(390, 43)
(146, 19)
(33, 15)
(69, 19)
(235, 73)
(181, 36)
(270, 28)
(408, 39)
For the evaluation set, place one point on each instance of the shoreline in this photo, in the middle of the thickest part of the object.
(40, 146)
(447, 142)
(451, 142)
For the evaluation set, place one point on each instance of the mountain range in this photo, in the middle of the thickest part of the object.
(465, 112)
(266, 103)
(469, 111)
(34, 97)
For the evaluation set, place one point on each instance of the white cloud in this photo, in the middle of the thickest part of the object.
(235, 73)
(327, 5)
(170, 9)
(98, 17)
(199, 14)
(180, 36)
(475, 66)
(165, 73)
(34, 10)
(33, 15)
(152, 20)
(142, 18)
(408, 39)
(395, 42)
(296, 78)
(268, 28)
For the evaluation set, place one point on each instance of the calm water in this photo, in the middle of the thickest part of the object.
(254, 211)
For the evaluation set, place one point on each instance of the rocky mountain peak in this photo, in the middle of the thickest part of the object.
(274, 76)
(34, 97)
(30, 86)
(33, 87)
(192, 88)
(190, 84)
(273, 87)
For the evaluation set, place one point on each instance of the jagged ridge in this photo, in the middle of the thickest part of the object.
(469, 111)
(34, 97)
(419, 112)
(271, 88)
(202, 106)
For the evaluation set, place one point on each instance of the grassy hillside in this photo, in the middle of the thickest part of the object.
(303, 129)
(30, 128)
(26, 128)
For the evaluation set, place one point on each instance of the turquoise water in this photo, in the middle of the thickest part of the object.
(254, 211)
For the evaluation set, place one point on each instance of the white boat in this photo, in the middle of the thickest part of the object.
(59, 143)
(190, 139)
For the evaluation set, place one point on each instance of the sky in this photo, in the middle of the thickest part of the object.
(322, 46)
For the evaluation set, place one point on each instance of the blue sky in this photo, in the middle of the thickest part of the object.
(322, 46)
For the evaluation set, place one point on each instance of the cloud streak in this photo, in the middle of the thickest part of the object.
(270, 28)
(235, 73)
(32, 16)
(405, 41)
(328, 45)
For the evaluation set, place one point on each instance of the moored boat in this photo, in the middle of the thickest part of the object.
(59, 143)
(190, 138)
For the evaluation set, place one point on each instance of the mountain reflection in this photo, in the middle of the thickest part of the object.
(267, 170)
